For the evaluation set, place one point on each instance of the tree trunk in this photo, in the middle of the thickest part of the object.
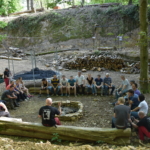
(143, 47)
(28, 8)
(9, 126)
(130, 2)
(32, 5)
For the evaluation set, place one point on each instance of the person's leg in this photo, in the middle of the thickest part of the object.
(11, 103)
(134, 114)
(61, 90)
(77, 87)
(106, 88)
(68, 90)
(88, 89)
(51, 90)
(57, 90)
(6, 81)
(102, 90)
(113, 122)
(93, 89)
(112, 89)
(74, 91)
(143, 131)
(83, 89)
(57, 121)
(4, 114)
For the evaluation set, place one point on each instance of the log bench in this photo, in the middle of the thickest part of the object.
(14, 126)
(37, 89)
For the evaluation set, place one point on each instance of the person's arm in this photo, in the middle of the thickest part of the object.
(133, 124)
(4, 106)
(135, 109)
(59, 107)
(8, 96)
(40, 113)
(74, 84)
(115, 115)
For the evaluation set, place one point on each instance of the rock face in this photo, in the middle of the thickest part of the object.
(56, 29)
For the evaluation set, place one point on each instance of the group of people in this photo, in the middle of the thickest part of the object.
(78, 85)
(131, 109)
(15, 93)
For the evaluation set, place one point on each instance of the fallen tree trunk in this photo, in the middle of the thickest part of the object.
(27, 11)
(11, 58)
(69, 133)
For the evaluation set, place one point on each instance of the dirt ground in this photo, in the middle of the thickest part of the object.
(97, 110)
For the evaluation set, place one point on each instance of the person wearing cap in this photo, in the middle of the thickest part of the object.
(47, 114)
(108, 85)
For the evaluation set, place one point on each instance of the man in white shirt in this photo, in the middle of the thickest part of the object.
(123, 88)
(80, 83)
(143, 106)
(64, 84)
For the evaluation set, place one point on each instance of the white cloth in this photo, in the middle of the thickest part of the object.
(80, 79)
(64, 82)
(143, 107)
(126, 82)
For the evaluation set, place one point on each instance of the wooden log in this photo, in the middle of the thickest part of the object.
(69, 133)
(10, 58)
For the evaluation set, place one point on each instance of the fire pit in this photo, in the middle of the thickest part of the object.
(71, 110)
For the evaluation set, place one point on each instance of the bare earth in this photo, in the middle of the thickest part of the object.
(97, 110)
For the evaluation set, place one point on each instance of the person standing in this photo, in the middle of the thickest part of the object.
(123, 88)
(143, 125)
(143, 106)
(71, 85)
(55, 86)
(121, 115)
(6, 76)
(80, 83)
(99, 84)
(47, 114)
(64, 84)
(108, 85)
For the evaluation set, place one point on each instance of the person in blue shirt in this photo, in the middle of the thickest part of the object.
(132, 99)
(99, 84)
(108, 85)
(72, 85)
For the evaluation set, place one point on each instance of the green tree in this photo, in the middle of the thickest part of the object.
(144, 84)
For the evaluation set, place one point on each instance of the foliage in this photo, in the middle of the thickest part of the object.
(55, 138)
(97, 52)
(2, 25)
(9, 6)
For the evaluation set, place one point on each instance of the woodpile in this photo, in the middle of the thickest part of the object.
(96, 63)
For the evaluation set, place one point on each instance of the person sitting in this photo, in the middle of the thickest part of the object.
(23, 88)
(3, 110)
(123, 88)
(55, 86)
(132, 99)
(99, 84)
(131, 82)
(134, 87)
(44, 86)
(143, 125)
(10, 98)
(108, 85)
(80, 83)
(90, 84)
(47, 113)
(143, 106)
(71, 85)
(121, 115)
(64, 84)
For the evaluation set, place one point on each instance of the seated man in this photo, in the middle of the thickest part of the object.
(131, 82)
(99, 84)
(143, 125)
(3, 110)
(123, 88)
(80, 83)
(47, 113)
(143, 106)
(132, 99)
(134, 88)
(64, 84)
(121, 115)
(55, 86)
(10, 98)
(44, 86)
(72, 85)
(108, 85)
(90, 84)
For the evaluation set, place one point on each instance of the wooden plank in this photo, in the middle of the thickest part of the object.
(69, 133)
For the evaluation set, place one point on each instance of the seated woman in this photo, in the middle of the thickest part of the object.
(90, 84)
(143, 106)
(23, 88)
(44, 86)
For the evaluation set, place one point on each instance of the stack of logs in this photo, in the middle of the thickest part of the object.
(98, 62)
